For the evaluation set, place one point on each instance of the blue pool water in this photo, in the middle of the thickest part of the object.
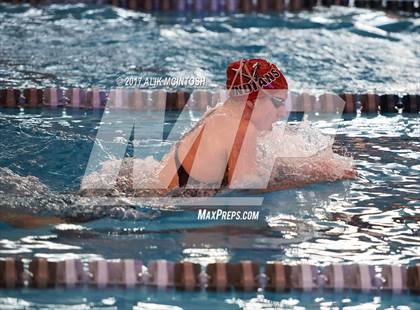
(331, 49)
(373, 219)
(152, 300)
(383, 202)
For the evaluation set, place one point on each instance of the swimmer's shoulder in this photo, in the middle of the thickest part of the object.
(217, 121)
(222, 123)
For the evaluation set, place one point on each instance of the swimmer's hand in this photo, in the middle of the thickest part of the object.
(316, 172)
(246, 181)
(350, 174)
(28, 221)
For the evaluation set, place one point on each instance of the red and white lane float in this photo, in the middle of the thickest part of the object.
(187, 276)
(413, 279)
(43, 273)
(76, 98)
(158, 99)
(96, 98)
(369, 103)
(99, 273)
(394, 278)
(53, 97)
(142, 99)
(389, 103)
(202, 99)
(68, 273)
(125, 273)
(329, 103)
(79, 98)
(245, 6)
(177, 100)
(306, 103)
(411, 103)
(304, 277)
(244, 275)
(219, 276)
(334, 277)
(32, 97)
(350, 106)
(119, 98)
(139, 99)
(11, 273)
(10, 98)
(278, 277)
(356, 277)
(161, 274)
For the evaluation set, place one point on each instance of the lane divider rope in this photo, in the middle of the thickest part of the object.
(220, 276)
(245, 6)
(138, 99)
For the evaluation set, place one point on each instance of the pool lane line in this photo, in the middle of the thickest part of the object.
(239, 6)
(140, 99)
(245, 275)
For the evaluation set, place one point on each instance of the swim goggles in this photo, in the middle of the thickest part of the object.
(277, 102)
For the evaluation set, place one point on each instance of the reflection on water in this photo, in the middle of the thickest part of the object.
(43, 154)
(331, 49)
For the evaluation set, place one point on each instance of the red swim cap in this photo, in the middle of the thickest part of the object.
(248, 76)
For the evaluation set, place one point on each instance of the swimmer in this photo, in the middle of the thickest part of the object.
(221, 149)
(222, 146)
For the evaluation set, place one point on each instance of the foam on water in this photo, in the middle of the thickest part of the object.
(28, 195)
(302, 154)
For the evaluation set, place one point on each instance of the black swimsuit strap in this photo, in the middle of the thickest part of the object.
(183, 175)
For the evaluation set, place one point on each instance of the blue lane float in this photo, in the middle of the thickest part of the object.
(220, 276)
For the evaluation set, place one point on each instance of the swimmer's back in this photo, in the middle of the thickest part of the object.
(210, 160)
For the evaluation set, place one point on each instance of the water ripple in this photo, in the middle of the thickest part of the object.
(329, 49)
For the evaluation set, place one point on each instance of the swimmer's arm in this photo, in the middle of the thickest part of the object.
(283, 185)
(316, 178)
(28, 221)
